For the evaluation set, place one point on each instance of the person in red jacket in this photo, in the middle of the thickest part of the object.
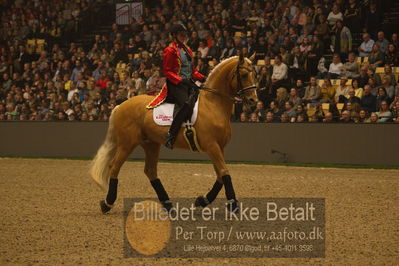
(180, 75)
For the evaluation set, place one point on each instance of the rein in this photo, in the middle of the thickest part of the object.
(240, 90)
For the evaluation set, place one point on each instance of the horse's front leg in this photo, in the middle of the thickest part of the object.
(223, 177)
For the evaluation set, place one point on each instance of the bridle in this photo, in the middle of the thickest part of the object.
(240, 89)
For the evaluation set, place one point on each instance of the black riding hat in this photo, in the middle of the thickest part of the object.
(176, 28)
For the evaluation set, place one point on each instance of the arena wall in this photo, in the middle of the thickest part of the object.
(366, 144)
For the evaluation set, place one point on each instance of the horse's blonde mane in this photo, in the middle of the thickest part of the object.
(219, 66)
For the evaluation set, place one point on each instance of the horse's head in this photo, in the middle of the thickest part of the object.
(245, 81)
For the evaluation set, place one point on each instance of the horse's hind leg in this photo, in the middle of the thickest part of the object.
(120, 157)
(150, 169)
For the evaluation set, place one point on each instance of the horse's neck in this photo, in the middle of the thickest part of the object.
(223, 99)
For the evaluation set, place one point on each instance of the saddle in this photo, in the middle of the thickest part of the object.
(163, 113)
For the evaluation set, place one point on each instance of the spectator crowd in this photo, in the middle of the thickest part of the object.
(308, 66)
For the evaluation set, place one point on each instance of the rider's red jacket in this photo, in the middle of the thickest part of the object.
(172, 63)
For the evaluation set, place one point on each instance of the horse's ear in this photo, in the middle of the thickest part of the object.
(241, 57)
(252, 58)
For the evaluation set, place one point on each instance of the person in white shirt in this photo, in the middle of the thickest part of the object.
(279, 69)
(367, 46)
(342, 91)
(334, 16)
(334, 70)
(280, 74)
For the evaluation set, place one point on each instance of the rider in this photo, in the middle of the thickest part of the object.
(179, 72)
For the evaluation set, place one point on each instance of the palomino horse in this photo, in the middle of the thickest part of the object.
(131, 124)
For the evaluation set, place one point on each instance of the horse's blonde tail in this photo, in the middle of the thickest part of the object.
(100, 166)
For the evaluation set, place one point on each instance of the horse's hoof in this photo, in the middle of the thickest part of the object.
(104, 207)
(201, 201)
(232, 206)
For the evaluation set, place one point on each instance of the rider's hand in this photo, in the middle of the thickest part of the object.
(186, 82)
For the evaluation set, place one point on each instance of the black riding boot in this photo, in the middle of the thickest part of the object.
(180, 116)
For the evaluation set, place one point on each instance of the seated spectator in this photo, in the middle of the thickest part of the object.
(322, 69)
(351, 68)
(363, 77)
(334, 15)
(228, 51)
(103, 80)
(388, 73)
(155, 83)
(328, 118)
(382, 96)
(270, 117)
(312, 93)
(294, 98)
(373, 118)
(274, 109)
(284, 118)
(368, 101)
(342, 91)
(395, 110)
(384, 115)
(260, 111)
(358, 91)
(319, 113)
(334, 70)
(352, 97)
(393, 104)
(327, 92)
(203, 49)
(138, 87)
(296, 63)
(284, 54)
(371, 74)
(366, 46)
(290, 111)
(300, 110)
(281, 97)
(373, 86)
(305, 46)
(280, 73)
(306, 34)
(346, 117)
(353, 109)
(382, 42)
(363, 116)
(386, 84)
(301, 119)
(300, 87)
(253, 118)
(392, 55)
(376, 58)
(243, 117)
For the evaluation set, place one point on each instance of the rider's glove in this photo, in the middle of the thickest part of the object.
(187, 83)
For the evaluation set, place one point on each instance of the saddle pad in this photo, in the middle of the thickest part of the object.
(163, 114)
